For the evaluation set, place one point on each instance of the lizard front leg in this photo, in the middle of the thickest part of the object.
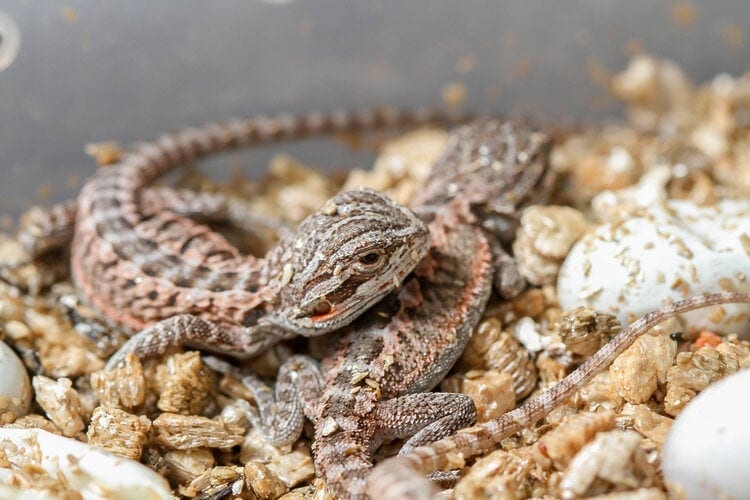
(192, 331)
(209, 207)
(506, 277)
(40, 230)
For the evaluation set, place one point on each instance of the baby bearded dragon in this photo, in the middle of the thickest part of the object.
(372, 386)
(144, 267)
(403, 478)
(494, 170)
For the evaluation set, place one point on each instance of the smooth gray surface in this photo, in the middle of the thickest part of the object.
(93, 71)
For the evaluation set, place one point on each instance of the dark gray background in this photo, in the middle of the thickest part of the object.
(91, 71)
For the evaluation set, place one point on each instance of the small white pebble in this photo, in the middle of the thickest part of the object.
(527, 332)
(287, 273)
(620, 160)
(330, 208)
(17, 330)
(329, 426)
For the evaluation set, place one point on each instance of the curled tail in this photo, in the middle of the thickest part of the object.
(149, 160)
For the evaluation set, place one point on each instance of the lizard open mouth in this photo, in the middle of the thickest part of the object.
(317, 318)
(322, 310)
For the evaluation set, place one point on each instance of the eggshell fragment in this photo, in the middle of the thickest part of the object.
(15, 389)
(88, 470)
(707, 450)
(669, 251)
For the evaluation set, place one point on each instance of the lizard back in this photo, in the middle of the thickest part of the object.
(137, 268)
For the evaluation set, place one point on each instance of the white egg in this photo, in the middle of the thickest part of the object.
(707, 451)
(672, 250)
(15, 389)
(88, 470)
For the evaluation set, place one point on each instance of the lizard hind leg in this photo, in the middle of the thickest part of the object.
(210, 207)
(344, 445)
(281, 412)
(44, 229)
(424, 417)
(41, 230)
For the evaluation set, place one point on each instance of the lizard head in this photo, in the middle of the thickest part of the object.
(495, 168)
(345, 257)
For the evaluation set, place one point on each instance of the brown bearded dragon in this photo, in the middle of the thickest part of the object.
(146, 267)
(372, 386)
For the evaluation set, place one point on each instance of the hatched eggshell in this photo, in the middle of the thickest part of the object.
(707, 450)
(669, 251)
(88, 470)
(15, 389)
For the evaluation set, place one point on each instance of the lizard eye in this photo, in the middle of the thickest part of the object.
(370, 258)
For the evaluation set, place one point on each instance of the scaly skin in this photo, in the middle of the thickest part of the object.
(372, 386)
(145, 268)
(494, 169)
(402, 477)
